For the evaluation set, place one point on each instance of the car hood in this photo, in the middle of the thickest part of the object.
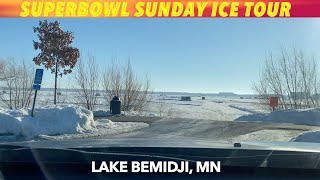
(162, 142)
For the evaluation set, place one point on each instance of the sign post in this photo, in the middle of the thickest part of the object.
(36, 86)
(274, 102)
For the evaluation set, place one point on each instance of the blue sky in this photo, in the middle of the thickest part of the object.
(187, 55)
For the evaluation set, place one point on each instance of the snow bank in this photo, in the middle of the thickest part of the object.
(104, 127)
(310, 136)
(295, 116)
(101, 113)
(267, 135)
(138, 113)
(68, 122)
(58, 120)
(47, 120)
(9, 123)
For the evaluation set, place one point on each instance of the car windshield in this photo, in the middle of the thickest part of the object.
(222, 80)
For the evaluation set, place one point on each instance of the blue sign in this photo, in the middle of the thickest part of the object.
(36, 87)
(38, 76)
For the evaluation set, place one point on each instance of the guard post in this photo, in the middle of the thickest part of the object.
(274, 102)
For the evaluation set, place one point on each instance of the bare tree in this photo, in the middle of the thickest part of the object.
(17, 80)
(87, 79)
(2, 65)
(121, 81)
(112, 81)
(292, 77)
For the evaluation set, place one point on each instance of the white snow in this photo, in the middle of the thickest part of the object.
(74, 122)
(309, 117)
(66, 121)
(104, 127)
(9, 124)
(250, 107)
(47, 120)
(267, 135)
(58, 120)
(138, 113)
(101, 113)
(212, 108)
(309, 136)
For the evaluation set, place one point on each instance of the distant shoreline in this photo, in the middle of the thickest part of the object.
(227, 94)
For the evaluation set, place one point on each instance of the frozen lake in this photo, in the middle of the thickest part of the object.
(214, 107)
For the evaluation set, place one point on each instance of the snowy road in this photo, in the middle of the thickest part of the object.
(226, 131)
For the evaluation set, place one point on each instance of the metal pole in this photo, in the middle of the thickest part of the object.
(34, 102)
(55, 84)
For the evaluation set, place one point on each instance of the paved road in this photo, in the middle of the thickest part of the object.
(194, 128)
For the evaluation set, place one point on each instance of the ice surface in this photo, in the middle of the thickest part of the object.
(212, 108)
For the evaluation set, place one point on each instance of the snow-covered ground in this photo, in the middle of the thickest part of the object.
(309, 136)
(58, 124)
(61, 121)
(216, 108)
(309, 117)
(104, 127)
(212, 108)
(267, 135)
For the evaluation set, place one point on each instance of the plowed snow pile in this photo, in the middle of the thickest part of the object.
(66, 121)
(310, 136)
(10, 122)
(309, 117)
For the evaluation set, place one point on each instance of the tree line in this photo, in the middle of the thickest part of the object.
(291, 76)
